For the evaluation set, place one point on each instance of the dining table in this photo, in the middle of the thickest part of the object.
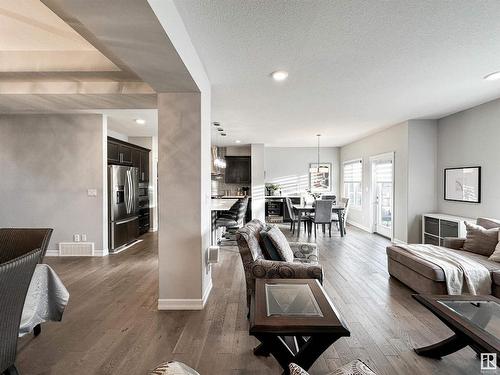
(305, 208)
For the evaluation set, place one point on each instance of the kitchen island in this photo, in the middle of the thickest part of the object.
(218, 205)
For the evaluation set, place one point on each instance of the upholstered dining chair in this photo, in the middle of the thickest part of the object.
(293, 216)
(322, 215)
(329, 197)
(17, 241)
(335, 216)
(15, 278)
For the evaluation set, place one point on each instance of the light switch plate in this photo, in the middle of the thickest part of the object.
(92, 192)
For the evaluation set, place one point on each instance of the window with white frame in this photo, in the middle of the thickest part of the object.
(353, 189)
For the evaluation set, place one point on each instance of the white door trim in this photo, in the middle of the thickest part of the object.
(384, 156)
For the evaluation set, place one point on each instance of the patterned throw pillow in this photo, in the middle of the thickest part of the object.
(296, 370)
(479, 240)
(173, 368)
(496, 254)
(279, 241)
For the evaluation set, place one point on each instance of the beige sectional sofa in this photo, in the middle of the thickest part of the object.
(427, 278)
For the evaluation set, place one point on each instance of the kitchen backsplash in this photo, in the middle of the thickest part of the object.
(219, 187)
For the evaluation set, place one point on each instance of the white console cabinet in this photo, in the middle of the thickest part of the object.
(435, 227)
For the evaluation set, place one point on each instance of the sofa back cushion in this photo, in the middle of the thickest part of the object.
(495, 257)
(488, 223)
(480, 240)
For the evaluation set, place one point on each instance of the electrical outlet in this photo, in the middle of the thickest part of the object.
(76, 238)
(84, 237)
(92, 192)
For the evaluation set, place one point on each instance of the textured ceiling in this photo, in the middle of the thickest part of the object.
(355, 66)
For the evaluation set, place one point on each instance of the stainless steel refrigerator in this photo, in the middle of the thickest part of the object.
(123, 198)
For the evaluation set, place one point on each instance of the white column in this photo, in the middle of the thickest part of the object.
(183, 200)
(258, 186)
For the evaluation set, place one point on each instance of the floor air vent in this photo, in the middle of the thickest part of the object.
(76, 249)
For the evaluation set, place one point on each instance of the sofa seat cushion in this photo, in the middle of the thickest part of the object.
(434, 272)
(304, 252)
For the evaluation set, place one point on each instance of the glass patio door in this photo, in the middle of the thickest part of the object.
(382, 174)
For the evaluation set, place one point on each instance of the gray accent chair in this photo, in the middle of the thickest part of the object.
(16, 241)
(304, 266)
(15, 278)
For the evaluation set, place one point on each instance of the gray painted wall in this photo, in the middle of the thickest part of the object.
(422, 174)
(394, 139)
(289, 166)
(471, 138)
(48, 162)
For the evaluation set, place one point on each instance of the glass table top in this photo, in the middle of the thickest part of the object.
(291, 300)
(484, 314)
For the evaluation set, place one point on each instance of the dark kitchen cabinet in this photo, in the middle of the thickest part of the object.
(238, 170)
(136, 159)
(113, 152)
(144, 166)
(125, 154)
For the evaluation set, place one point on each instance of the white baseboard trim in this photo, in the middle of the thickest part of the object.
(52, 253)
(357, 225)
(97, 253)
(185, 304)
(398, 242)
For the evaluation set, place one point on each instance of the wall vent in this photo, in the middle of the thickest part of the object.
(76, 249)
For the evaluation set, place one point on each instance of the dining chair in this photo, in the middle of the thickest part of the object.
(322, 215)
(335, 217)
(15, 278)
(17, 241)
(293, 216)
(329, 197)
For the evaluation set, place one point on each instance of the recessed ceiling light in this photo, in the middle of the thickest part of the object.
(237, 141)
(492, 76)
(279, 75)
(216, 123)
(223, 134)
(140, 121)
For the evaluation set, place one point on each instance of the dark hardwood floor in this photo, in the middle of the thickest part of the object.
(112, 326)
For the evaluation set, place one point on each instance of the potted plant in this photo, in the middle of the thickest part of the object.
(273, 189)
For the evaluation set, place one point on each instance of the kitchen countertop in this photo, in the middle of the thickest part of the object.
(222, 204)
(232, 197)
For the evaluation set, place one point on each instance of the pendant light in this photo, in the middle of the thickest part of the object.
(317, 167)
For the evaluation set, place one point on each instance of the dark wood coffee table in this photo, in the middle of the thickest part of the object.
(295, 321)
(475, 320)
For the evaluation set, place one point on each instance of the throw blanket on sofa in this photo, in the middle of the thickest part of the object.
(456, 268)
